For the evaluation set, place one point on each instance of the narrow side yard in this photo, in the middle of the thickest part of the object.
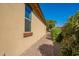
(44, 47)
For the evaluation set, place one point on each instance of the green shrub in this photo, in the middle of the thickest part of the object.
(56, 34)
(70, 43)
(59, 37)
(69, 48)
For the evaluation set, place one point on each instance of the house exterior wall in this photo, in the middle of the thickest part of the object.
(12, 27)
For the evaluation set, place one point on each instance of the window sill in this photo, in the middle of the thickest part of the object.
(27, 34)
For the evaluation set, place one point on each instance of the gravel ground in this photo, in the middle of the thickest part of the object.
(44, 47)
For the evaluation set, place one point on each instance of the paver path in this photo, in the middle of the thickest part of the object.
(44, 47)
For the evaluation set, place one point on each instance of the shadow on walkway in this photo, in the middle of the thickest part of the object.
(49, 50)
(48, 36)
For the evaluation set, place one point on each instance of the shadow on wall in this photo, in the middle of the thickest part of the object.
(49, 50)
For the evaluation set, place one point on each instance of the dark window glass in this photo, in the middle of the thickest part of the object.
(27, 18)
(28, 12)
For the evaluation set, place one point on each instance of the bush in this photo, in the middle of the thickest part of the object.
(69, 37)
(59, 38)
(77, 35)
(56, 34)
(69, 49)
(70, 43)
(65, 48)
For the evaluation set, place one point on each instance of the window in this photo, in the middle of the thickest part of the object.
(28, 11)
(27, 18)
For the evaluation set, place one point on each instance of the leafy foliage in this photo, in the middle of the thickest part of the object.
(50, 24)
(55, 32)
(70, 43)
(68, 37)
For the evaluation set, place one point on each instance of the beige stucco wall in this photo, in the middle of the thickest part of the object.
(12, 41)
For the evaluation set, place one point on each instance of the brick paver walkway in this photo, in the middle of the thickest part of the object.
(44, 47)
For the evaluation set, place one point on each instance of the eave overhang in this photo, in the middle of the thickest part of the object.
(36, 8)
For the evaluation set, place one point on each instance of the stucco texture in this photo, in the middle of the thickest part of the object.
(12, 27)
